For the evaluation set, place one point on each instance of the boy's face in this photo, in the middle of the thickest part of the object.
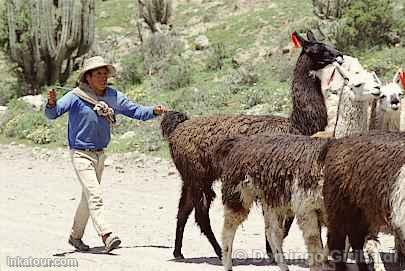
(97, 79)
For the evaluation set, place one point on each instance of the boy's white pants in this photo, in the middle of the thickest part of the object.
(89, 168)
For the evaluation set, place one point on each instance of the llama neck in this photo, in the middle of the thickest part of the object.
(352, 116)
(374, 121)
(391, 120)
(309, 113)
(384, 120)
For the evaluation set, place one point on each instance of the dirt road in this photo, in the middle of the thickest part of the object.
(39, 194)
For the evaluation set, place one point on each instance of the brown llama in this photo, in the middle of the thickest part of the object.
(364, 191)
(283, 173)
(191, 141)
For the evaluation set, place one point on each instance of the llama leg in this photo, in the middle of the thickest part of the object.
(347, 249)
(287, 225)
(372, 248)
(399, 248)
(336, 247)
(397, 215)
(232, 219)
(183, 212)
(309, 224)
(202, 203)
(357, 238)
(275, 235)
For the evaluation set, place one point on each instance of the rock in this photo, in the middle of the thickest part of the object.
(103, 15)
(286, 50)
(260, 109)
(152, 147)
(36, 101)
(108, 162)
(139, 160)
(393, 38)
(124, 45)
(201, 42)
(172, 172)
(274, 51)
(119, 169)
(158, 160)
(241, 58)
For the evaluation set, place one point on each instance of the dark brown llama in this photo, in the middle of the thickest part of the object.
(191, 141)
(283, 173)
(364, 191)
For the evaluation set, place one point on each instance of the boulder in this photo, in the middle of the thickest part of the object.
(241, 58)
(201, 42)
(36, 101)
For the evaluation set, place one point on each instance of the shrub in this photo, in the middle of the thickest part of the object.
(365, 24)
(21, 122)
(280, 67)
(146, 137)
(9, 89)
(200, 101)
(279, 101)
(22, 125)
(137, 94)
(384, 62)
(132, 70)
(173, 76)
(217, 56)
(243, 77)
(3, 25)
(159, 50)
(253, 96)
(41, 135)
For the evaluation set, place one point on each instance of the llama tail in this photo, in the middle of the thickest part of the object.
(170, 121)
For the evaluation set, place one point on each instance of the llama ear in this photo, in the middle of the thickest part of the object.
(311, 36)
(397, 77)
(376, 78)
(294, 39)
(402, 79)
(298, 40)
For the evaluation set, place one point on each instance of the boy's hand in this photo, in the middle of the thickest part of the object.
(51, 98)
(159, 110)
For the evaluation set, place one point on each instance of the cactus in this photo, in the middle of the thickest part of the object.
(45, 38)
(329, 9)
(154, 13)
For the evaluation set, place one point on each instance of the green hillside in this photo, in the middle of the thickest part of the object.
(249, 40)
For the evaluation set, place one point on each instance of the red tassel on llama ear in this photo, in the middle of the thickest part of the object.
(402, 78)
(295, 41)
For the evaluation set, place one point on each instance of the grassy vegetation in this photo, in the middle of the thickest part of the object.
(114, 14)
(204, 82)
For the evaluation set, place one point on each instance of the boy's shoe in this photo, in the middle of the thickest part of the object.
(78, 244)
(112, 242)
